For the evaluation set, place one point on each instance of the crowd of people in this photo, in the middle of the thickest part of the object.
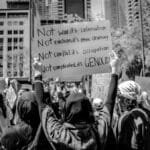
(69, 120)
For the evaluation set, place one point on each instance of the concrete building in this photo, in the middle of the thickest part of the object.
(80, 7)
(54, 11)
(98, 9)
(115, 11)
(14, 39)
(51, 9)
(133, 13)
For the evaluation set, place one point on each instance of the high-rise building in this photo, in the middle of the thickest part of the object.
(82, 8)
(54, 11)
(115, 11)
(18, 4)
(15, 39)
(133, 13)
(50, 9)
(98, 9)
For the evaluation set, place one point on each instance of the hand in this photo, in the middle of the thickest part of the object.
(114, 63)
(37, 65)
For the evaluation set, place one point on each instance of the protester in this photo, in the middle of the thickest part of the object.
(4, 117)
(78, 130)
(20, 135)
(132, 130)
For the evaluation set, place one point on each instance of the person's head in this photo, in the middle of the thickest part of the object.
(97, 103)
(78, 109)
(128, 95)
(28, 108)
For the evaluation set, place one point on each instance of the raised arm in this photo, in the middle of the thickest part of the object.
(38, 85)
(112, 92)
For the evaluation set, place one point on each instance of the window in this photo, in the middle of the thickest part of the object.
(2, 15)
(21, 47)
(9, 31)
(15, 23)
(21, 23)
(15, 47)
(20, 40)
(9, 48)
(9, 40)
(1, 23)
(9, 23)
(9, 65)
(21, 32)
(1, 48)
(15, 32)
(1, 40)
(15, 40)
(1, 32)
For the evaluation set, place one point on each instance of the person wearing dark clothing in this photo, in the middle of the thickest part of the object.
(20, 135)
(133, 126)
(77, 131)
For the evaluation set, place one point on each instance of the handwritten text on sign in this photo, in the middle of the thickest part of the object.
(74, 49)
(100, 85)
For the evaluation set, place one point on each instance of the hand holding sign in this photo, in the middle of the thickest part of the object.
(114, 63)
(37, 67)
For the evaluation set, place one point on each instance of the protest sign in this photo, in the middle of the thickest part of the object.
(144, 82)
(100, 85)
(73, 49)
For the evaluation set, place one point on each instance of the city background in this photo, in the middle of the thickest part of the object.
(129, 19)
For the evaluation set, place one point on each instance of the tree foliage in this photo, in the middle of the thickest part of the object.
(130, 42)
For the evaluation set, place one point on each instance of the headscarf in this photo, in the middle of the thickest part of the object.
(129, 89)
(28, 108)
(78, 109)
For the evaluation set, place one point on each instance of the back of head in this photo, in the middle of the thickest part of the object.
(28, 108)
(128, 94)
(97, 103)
(78, 109)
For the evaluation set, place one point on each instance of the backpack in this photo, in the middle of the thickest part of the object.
(133, 130)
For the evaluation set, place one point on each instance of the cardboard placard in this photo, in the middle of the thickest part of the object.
(100, 85)
(73, 49)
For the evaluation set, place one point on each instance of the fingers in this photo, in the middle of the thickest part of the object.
(113, 55)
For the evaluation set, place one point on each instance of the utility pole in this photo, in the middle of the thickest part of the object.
(30, 48)
(142, 38)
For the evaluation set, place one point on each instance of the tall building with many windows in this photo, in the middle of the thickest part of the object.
(115, 11)
(51, 9)
(80, 7)
(133, 13)
(15, 39)
(98, 9)
(54, 11)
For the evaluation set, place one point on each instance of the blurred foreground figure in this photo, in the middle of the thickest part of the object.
(133, 128)
(20, 135)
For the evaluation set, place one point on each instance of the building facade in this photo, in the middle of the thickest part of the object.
(98, 9)
(133, 13)
(15, 39)
(115, 11)
(55, 11)
(50, 9)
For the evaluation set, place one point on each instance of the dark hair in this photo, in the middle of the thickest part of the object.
(28, 109)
